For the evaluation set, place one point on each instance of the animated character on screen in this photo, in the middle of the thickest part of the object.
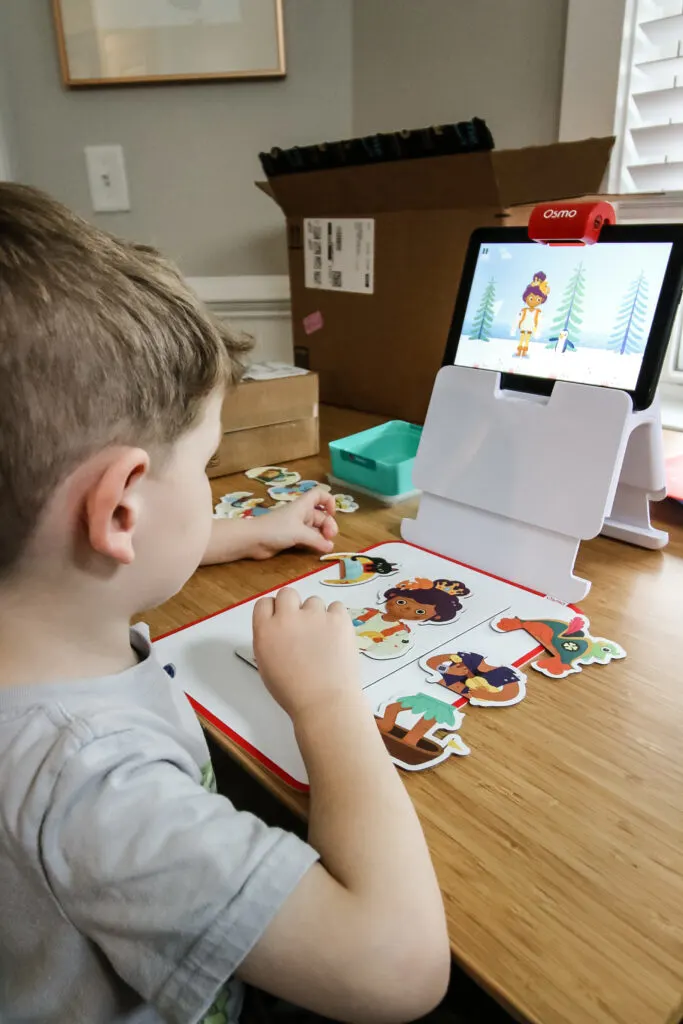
(535, 294)
(561, 343)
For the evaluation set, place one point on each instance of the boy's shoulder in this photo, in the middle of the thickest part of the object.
(66, 733)
(112, 838)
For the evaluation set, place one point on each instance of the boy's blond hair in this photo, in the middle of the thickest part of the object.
(101, 343)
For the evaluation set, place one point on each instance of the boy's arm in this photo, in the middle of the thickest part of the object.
(307, 522)
(363, 935)
(169, 882)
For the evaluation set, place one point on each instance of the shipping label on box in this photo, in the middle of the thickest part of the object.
(339, 254)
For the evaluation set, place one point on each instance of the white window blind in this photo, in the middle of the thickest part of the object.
(649, 156)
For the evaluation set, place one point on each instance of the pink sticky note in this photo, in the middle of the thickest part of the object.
(313, 322)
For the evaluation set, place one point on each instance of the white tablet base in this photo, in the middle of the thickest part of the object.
(512, 483)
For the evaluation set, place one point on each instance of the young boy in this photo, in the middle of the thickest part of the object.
(129, 892)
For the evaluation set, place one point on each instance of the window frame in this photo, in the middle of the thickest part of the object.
(598, 105)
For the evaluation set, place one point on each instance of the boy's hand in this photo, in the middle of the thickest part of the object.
(306, 653)
(307, 522)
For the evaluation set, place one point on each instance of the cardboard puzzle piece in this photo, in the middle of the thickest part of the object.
(469, 676)
(420, 731)
(345, 503)
(272, 475)
(384, 633)
(422, 600)
(355, 569)
(569, 645)
(378, 637)
(291, 492)
(241, 505)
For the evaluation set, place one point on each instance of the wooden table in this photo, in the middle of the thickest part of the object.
(559, 841)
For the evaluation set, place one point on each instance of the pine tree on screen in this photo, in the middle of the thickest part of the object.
(627, 336)
(483, 318)
(569, 316)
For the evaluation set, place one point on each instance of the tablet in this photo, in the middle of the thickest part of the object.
(598, 314)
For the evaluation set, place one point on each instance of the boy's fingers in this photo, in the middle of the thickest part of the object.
(263, 610)
(337, 608)
(340, 611)
(329, 528)
(315, 540)
(322, 521)
(287, 599)
(319, 498)
(317, 519)
(314, 604)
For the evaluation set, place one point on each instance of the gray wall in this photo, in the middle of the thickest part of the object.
(191, 151)
(420, 62)
(355, 66)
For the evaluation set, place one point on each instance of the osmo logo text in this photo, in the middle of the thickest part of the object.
(552, 214)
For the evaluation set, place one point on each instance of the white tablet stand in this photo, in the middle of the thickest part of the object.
(512, 482)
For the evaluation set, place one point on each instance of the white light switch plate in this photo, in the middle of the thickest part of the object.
(107, 178)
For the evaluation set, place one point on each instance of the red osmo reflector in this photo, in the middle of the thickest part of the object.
(569, 223)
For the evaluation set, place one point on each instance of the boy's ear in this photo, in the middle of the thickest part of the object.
(112, 504)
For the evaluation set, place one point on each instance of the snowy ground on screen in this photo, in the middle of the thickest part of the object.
(585, 365)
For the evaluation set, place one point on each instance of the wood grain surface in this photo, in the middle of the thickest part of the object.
(559, 841)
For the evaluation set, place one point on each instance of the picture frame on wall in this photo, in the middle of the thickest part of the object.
(129, 42)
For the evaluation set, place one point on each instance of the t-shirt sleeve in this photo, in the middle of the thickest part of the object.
(172, 883)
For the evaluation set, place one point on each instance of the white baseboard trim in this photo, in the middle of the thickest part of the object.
(265, 288)
(259, 306)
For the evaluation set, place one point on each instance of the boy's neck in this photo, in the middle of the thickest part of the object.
(46, 638)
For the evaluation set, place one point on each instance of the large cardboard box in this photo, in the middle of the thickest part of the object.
(379, 348)
(268, 421)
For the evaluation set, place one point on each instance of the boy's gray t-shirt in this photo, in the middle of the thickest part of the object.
(130, 892)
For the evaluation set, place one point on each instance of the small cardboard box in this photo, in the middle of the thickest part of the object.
(378, 347)
(268, 421)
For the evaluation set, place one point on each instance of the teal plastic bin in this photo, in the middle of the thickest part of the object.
(380, 459)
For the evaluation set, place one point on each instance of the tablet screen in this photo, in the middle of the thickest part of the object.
(575, 313)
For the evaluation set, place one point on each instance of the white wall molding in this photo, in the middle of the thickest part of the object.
(259, 306)
(265, 288)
